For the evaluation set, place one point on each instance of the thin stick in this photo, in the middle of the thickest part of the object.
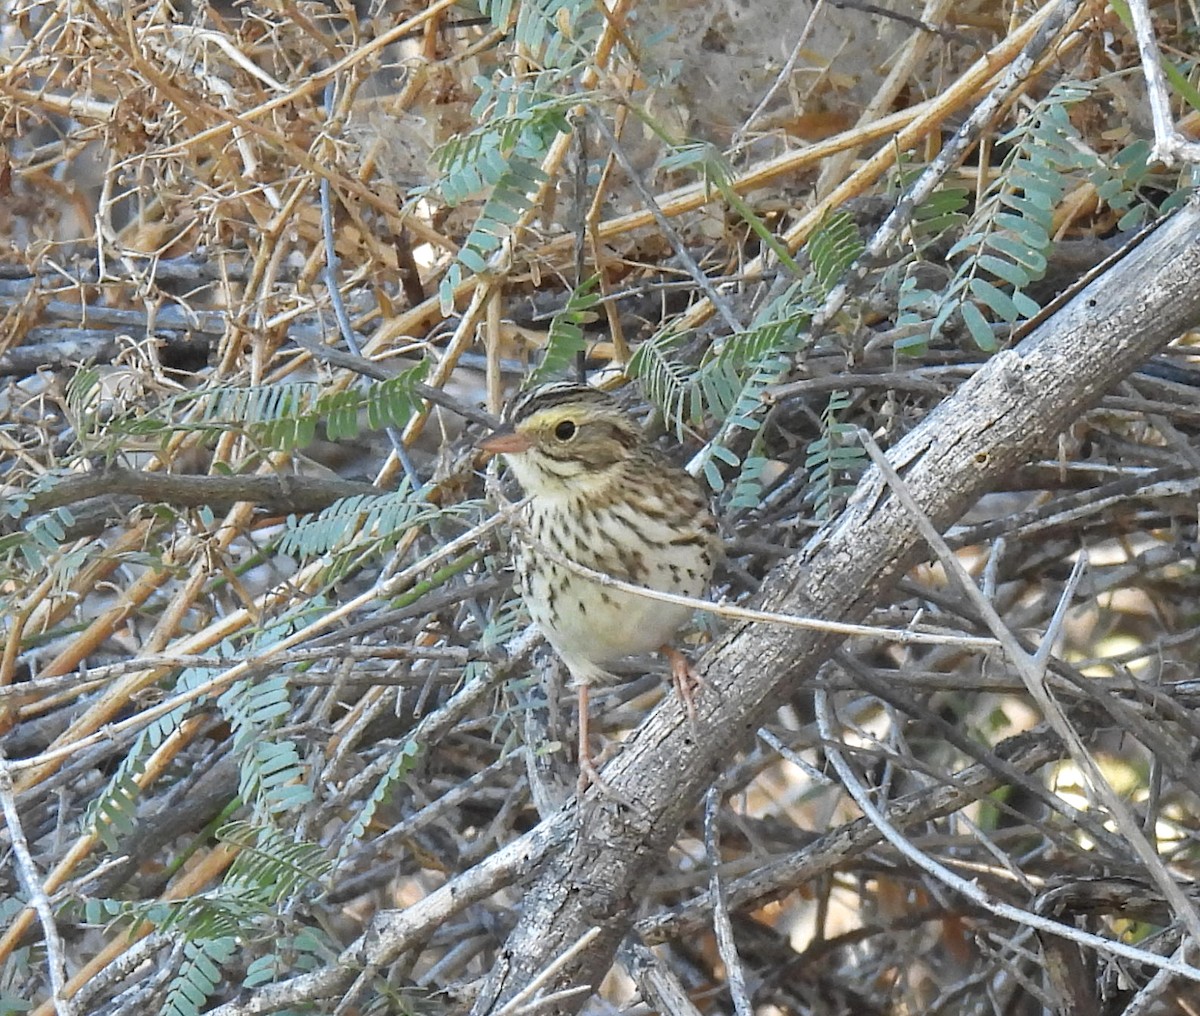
(735, 974)
(31, 882)
(517, 1002)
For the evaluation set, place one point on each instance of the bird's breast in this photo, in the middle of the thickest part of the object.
(598, 623)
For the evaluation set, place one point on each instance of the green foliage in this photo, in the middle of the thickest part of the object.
(211, 915)
(112, 813)
(943, 212)
(1010, 234)
(270, 870)
(38, 544)
(40, 539)
(308, 949)
(557, 35)
(471, 163)
(834, 459)
(272, 774)
(1127, 184)
(833, 248)
(498, 10)
(82, 392)
(1118, 185)
(271, 866)
(390, 403)
(18, 966)
(916, 305)
(365, 522)
(14, 504)
(1176, 78)
(510, 199)
(666, 380)
(283, 416)
(401, 765)
(716, 173)
(748, 487)
(519, 116)
(509, 618)
(1006, 242)
(566, 340)
(198, 975)
(729, 383)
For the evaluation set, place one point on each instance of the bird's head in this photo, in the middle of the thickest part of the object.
(563, 438)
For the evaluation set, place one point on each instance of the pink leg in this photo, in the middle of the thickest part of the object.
(589, 775)
(587, 770)
(683, 675)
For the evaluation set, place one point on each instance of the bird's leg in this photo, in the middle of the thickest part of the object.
(589, 775)
(687, 682)
(587, 770)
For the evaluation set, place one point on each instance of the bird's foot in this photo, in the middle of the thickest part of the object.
(685, 679)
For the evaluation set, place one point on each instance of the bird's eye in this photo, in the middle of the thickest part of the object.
(565, 430)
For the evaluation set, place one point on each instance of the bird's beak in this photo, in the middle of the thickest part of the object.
(505, 440)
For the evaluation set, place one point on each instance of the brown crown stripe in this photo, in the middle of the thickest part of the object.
(557, 394)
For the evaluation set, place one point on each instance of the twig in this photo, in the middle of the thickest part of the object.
(380, 591)
(784, 75)
(1149, 997)
(1014, 77)
(548, 1001)
(339, 305)
(437, 809)
(431, 729)
(1053, 16)
(921, 24)
(735, 974)
(393, 932)
(1025, 752)
(516, 1004)
(736, 613)
(810, 771)
(144, 953)
(35, 896)
(677, 244)
(659, 985)
(279, 494)
(1169, 145)
(382, 372)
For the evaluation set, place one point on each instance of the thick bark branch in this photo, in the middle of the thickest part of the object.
(105, 496)
(1009, 412)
